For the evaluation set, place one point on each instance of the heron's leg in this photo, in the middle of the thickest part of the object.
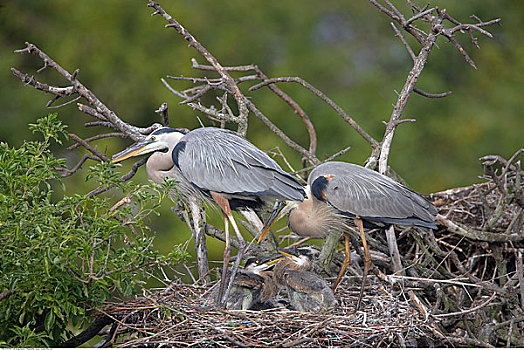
(223, 203)
(226, 258)
(240, 256)
(367, 259)
(241, 240)
(345, 264)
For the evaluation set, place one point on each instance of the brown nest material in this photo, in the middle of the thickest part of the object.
(174, 317)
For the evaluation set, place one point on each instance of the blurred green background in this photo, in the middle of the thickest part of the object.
(347, 49)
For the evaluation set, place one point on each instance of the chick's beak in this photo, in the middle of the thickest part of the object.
(275, 215)
(274, 261)
(285, 254)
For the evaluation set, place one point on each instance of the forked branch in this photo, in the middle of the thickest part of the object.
(239, 97)
(437, 19)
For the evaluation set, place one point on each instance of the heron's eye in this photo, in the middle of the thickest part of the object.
(153, 138)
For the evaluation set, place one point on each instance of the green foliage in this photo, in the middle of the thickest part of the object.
(62, 258)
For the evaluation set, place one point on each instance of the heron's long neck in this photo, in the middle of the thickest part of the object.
(314, 219)
(157, 164)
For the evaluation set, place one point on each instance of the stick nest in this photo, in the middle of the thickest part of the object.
(174, 317)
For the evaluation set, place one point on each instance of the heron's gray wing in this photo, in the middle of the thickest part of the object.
(221, 161)
(367, 193)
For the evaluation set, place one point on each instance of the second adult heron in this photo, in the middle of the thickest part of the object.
(338, 192)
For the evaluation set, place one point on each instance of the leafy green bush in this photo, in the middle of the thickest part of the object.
(62, 258)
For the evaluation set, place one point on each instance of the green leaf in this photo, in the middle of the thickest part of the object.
(49, 321)
(46, 266)
(21, 318)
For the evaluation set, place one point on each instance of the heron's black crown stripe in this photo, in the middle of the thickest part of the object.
(251, 260)
(318, 186)
(180, 147)
(168, 130)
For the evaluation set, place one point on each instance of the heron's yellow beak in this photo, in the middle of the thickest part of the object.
(285, 254)
(274, 261)
(134, 150)
(275, 215)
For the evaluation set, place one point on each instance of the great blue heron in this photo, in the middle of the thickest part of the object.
(307, 291)
(219, 165)
(338, 191)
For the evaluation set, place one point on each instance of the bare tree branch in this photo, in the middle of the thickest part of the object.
(97, 137)
(79, 88)
(163, 111)
(285, 97)
(399, 35)
(69, 172)
(324, 98)
(88, 147)
(30, 80)
(427, 94)
(411, 80)
(239, 97)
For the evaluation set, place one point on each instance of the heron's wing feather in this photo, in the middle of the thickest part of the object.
(367, 193)
(221, 161)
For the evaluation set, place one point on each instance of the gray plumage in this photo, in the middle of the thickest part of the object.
(244, 291)
(221, 161)
(218, 160)
(253, 287)
(338, 192)
(357, 191)
(307, 291)
(217, 164)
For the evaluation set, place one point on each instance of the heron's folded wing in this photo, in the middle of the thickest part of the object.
(219, 160)
(367, 193)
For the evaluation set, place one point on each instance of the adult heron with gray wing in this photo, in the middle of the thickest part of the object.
(218, 165)
(338, 191)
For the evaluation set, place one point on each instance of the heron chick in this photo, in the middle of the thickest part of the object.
(307, 291)
(338, 193)
(253, 287)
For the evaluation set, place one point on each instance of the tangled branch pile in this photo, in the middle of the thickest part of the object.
(174, 317)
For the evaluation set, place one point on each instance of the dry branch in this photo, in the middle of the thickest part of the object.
(435, 17)
(80, 89)
(324, 98)
(239, 97)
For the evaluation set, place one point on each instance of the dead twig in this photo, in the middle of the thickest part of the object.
(324, 98)
(239, 97)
